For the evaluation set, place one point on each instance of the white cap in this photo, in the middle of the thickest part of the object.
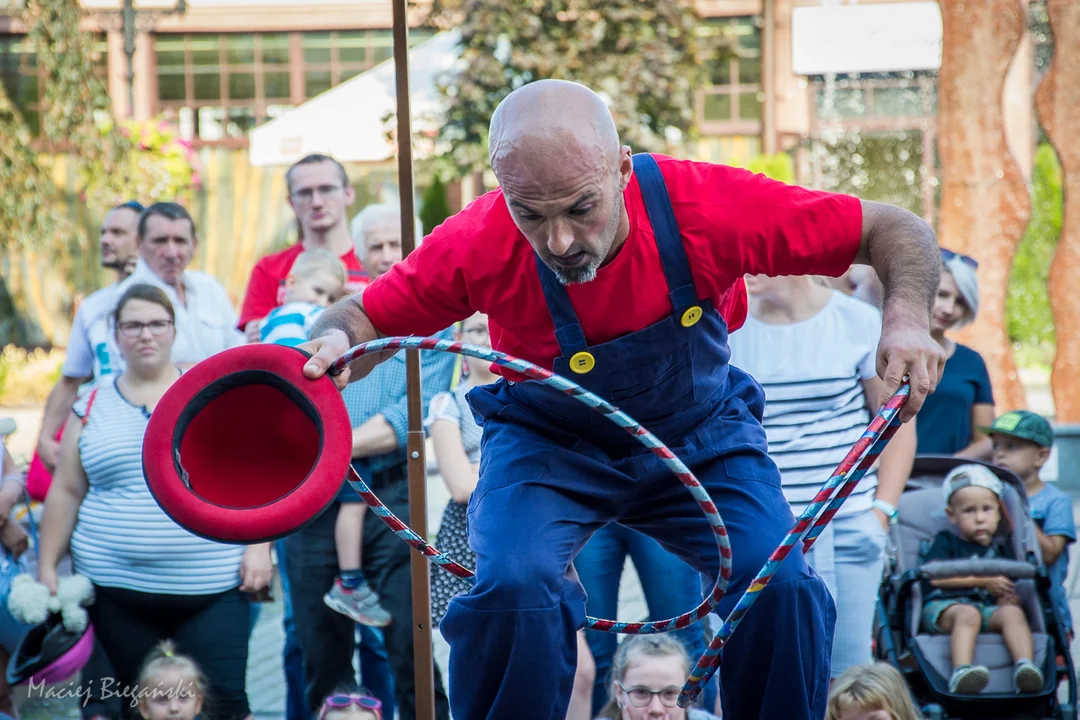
(970, 476)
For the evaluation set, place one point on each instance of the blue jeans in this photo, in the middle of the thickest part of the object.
(671, 587)
(327, 638)
(292, 658)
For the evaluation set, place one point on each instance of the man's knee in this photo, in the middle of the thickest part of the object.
(529, 582)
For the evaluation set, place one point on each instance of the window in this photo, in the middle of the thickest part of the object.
(219, 87)
(732, 102)
(900, 97)
(24, 80)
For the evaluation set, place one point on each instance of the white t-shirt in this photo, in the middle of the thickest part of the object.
(815, 406)
(84, 359)
(204, 327)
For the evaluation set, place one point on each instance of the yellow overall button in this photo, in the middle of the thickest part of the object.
(691, 316)
(582, 362)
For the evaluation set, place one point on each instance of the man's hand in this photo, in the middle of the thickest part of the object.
(256, 569)
(999, 587)
(49, 452)
(909, 352)
(324, 351)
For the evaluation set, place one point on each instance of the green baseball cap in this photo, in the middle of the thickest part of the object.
(1023, 424)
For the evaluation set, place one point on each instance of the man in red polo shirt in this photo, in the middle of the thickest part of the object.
(624, 273)
(320, 194)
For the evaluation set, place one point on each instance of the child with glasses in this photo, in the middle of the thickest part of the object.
(350, 704)
(647, 677)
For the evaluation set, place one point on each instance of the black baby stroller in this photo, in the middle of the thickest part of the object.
(924, 659)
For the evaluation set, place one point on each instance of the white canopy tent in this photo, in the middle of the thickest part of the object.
(348, 121)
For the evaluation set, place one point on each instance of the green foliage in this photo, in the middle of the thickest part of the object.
(27, 211)
(115, 162)
(1027, 309)
(646, 57)
(778, 166)
(156, 166)
(435, 207)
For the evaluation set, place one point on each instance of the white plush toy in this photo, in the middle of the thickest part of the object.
(30, 601)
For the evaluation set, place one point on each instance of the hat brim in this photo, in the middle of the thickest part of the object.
(992, 431)
(244, 448)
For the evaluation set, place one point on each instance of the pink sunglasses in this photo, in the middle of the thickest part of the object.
(338, 702)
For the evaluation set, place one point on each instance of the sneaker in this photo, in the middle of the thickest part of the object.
(969, 680)
(1027, 678)
(360, 603)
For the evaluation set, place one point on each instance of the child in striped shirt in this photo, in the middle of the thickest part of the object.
(316, 279)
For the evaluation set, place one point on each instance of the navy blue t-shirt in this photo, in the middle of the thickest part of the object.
(944, 423)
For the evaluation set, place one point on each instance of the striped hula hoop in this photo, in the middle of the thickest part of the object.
(846, 477)
(616, 416)
(861, 457)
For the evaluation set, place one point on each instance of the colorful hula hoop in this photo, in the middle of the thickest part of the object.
(846, 477)
(616, 416)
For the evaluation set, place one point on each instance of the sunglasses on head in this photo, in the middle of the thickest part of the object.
(966, 259)
(339, 702)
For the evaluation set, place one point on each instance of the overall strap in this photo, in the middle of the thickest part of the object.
(568, 330)
(666, 230)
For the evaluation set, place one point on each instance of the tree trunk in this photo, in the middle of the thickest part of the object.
(984, 201)
(1058, 103)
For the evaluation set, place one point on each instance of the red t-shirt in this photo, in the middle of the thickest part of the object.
(265, 290)
(733, 223)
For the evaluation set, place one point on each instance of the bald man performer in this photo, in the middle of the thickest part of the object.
(624, 273)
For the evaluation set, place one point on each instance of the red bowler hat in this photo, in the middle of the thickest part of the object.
(244, 448)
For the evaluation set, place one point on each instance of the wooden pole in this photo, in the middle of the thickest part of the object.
(423, 662)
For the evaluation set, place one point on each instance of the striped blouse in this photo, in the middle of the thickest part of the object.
(122, 537)
(812, 373)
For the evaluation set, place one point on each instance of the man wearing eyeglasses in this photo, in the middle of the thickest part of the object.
(320, 195)
(378, 412)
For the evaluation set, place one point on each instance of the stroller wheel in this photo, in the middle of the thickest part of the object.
(934, 712)
(1066, 712)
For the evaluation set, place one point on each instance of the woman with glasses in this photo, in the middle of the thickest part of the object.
(963, 400)
(646, 679)
(153, 580)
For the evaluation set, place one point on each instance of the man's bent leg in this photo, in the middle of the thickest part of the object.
(512, 637)
(776, 664)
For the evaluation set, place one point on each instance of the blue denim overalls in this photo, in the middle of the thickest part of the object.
(553, 471)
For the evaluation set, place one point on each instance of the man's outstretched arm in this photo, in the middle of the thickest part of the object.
(902, 249)
(340, 327)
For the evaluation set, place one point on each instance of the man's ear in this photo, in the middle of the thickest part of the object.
(626, 166)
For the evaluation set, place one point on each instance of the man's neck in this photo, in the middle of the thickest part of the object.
(336, 239)
(795, 302)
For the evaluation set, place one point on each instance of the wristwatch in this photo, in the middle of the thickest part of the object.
(890, 510)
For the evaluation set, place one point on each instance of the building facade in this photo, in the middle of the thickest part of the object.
(848, 88)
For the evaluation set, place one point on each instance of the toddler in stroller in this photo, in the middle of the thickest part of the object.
(963, 606)
(916, 645)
